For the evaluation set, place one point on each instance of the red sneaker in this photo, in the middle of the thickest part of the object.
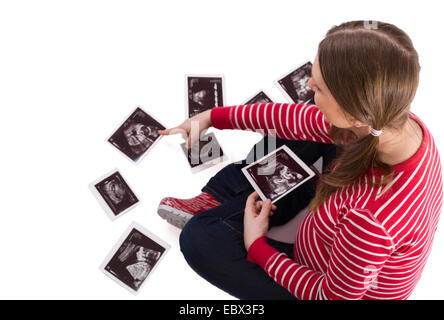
(179, 211)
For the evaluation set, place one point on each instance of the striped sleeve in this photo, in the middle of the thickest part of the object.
(360, 248)
(286, 121)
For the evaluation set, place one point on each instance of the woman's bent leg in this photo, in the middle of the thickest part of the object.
(212, 244)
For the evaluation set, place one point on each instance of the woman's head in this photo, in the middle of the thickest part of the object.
(368, 75)
(362, 78)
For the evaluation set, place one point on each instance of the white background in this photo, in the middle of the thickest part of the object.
(70, 71)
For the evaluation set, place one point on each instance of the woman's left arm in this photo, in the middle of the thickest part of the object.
(360, 249)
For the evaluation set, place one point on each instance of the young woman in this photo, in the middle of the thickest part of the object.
(374, 211)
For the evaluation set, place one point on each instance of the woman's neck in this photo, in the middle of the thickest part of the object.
(396, 147)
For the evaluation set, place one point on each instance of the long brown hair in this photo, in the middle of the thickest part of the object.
(372, 71)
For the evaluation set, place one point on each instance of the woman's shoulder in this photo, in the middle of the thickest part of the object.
(413, 192)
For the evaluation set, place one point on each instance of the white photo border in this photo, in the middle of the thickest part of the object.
(310, 172)
(282, 90)
(102, 202)
(254, 95)
(224, 93)
(118, 244)
(136, 162)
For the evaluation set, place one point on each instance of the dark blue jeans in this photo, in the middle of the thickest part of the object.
(212, 242)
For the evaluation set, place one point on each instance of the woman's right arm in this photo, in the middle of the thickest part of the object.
(286, 121)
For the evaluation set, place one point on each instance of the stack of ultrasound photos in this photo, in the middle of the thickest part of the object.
(138, 251)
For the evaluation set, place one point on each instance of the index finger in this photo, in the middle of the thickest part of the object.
(173, 131)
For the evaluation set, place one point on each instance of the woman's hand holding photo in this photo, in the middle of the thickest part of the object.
(256, 218)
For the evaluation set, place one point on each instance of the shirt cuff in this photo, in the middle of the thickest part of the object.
(260, 252)
(221, 117)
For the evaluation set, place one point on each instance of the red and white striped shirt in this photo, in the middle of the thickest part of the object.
(359, 244)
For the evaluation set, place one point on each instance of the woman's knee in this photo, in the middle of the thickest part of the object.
(208, 237)
(195, 239)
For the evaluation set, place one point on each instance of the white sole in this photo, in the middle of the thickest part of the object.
(174, 216)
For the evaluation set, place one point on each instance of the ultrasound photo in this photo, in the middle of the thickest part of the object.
(277, 174)
(137, 135)
(295, 84)
(203, 93)
(260, 97)
(207, 150)
(114, 194)
(134, 257)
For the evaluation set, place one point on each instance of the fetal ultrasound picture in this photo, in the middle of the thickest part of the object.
(204, 93)
(133, 260)
(204, 151)
(295, 84)
(136, 135)
(116, 193)
(277, 174)
(260, 97)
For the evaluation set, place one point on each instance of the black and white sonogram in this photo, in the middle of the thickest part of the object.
(260, 97)
(205, 151)
(203, 93)
(134, 257)
(277, 174)
(116, 194)
(136, 135)
(295, 84)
